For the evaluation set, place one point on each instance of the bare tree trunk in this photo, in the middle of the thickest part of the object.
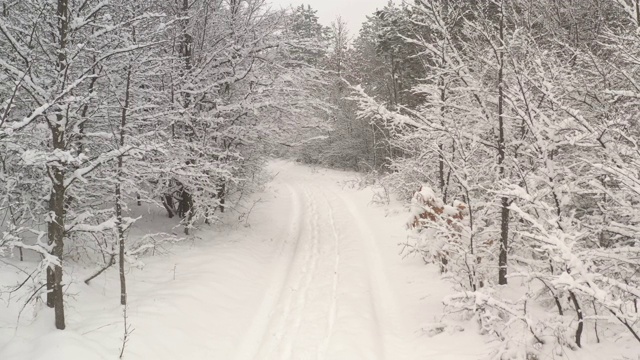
(574, 299)
(504, 202)
(373, 146)
(443, 97)
(394, 82)
(222, 189)
(504, 242)
(185, 207)
(441, 168)
(55, 229)
(55, 226)
(121, 244)
(119, 198)
(167, 202)
(595, 323)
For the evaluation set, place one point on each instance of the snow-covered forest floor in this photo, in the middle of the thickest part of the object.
(315, 273)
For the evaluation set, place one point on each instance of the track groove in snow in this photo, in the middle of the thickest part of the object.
(384, 304)
(359, 283)
(334, 284)
(253, 339)
(302, 291)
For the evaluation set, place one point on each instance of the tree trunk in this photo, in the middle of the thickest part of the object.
(121, 241)
(441, 169)
(504, 202)
(443, 97)
(119, 197)
(185, 203)
(56, 233)
(55, 226)
(167, 202)
(504, 242)
(574, 299)
(222, 189)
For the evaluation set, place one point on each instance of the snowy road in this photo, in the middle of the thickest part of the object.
(316, 275)
(328, 297)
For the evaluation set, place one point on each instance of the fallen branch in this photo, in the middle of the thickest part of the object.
(104, 268)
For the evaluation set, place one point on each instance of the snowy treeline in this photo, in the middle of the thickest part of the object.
(525, 112)
(107, 103)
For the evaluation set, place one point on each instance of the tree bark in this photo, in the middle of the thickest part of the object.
(56, 224)
(504, 202)
(119, 198)
(574, 299)
(55, 229)
(504, 242)
(222, 189)
(167, 202)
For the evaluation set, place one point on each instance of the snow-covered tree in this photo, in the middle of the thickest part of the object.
(104, 103)
(525, 119)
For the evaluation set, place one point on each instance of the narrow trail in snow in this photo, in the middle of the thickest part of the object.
(323, 299)
(336, 288)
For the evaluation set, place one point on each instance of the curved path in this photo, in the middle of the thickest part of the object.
(328, 295)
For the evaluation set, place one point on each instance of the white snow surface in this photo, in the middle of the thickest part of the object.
(316, 275)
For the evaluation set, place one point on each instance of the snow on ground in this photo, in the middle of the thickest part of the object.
(339, 289)
(316, 275)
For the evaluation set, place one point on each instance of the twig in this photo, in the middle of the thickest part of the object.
(104, 268)
(246, 219)
(127, 331)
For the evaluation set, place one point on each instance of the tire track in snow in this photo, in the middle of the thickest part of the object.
(291, 292)
(276, 325)
(258, 332)
(311, 263)
(383, 302)
(333, 308)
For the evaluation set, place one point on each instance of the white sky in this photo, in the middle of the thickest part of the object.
(354, 12)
